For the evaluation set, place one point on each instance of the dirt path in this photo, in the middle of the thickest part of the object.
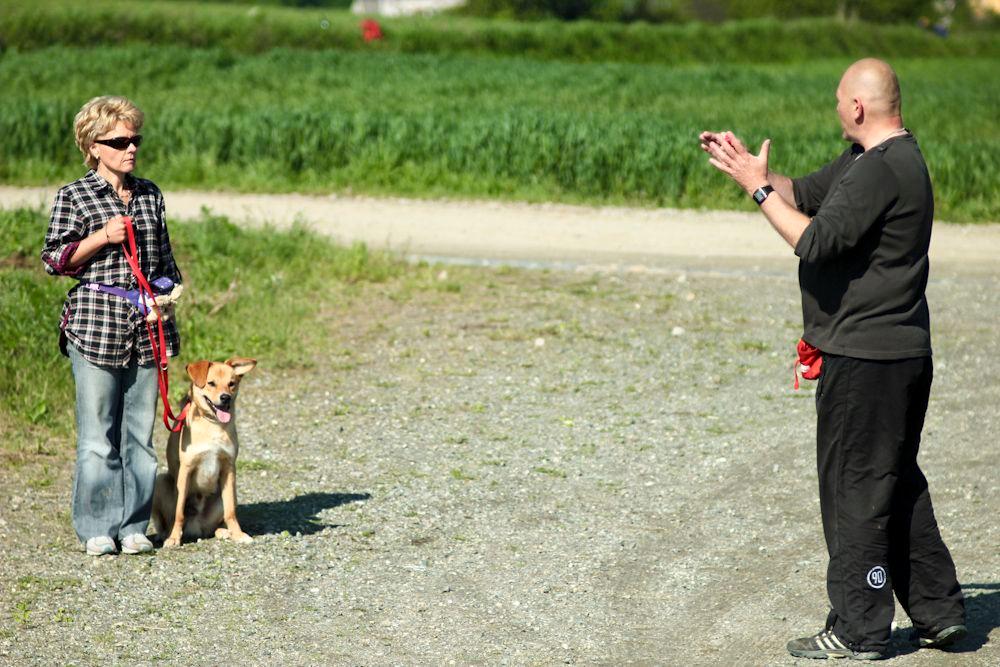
(538, 468)
(548, 233)
(525, 467)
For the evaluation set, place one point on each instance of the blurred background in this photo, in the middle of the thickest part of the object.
(584, 101)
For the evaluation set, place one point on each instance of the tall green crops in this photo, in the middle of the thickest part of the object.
(479, 127)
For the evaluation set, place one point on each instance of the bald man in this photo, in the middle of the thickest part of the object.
(861, 226)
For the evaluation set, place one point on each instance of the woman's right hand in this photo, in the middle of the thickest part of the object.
(114, 229)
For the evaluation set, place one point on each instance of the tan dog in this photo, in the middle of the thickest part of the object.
(198, 491)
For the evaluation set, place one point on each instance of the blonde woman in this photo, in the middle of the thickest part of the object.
(103, 333)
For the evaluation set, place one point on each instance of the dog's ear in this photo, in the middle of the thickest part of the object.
(198, 372)
(241, 365)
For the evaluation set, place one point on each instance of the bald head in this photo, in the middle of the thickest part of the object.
(874, 84)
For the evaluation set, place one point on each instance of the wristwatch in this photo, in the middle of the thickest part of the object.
(761, 193)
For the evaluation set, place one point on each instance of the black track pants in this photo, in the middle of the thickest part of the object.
(877, 516)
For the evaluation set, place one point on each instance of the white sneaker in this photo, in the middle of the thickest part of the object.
(136, 543)
(100, 546)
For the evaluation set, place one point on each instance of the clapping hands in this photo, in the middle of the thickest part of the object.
(730, 156)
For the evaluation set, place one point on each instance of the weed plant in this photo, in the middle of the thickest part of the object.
(257, 293)
(432, 125)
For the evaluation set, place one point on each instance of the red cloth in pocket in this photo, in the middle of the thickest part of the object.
(809, 363)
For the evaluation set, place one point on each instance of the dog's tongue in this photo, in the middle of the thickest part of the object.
(223, 416)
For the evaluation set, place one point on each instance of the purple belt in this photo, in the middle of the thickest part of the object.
(163, 285)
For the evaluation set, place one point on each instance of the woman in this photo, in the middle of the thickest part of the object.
(104, 334)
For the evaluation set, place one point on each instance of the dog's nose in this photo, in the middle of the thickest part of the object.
(225, 399)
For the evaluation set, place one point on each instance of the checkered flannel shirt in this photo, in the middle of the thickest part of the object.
(108, 329)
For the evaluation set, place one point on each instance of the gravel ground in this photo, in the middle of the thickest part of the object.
(521, 467)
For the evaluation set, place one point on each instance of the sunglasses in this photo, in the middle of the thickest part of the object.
(120, 143)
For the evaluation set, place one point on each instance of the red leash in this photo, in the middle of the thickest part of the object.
(159, 347)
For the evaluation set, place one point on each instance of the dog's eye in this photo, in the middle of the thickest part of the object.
(211, 383)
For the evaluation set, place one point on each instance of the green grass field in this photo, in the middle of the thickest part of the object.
(433, 125)
(276, 287)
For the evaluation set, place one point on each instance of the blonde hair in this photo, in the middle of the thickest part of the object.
(100, 115)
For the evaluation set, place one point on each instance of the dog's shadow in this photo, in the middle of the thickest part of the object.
(298, 515)
(982, 612)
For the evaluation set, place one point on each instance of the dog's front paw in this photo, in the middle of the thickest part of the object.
(242, 538)
(172, 541)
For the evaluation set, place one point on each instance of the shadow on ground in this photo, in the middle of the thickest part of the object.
(298, 515)
(982, 613)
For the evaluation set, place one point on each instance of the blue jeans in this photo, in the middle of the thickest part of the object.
(115, 459)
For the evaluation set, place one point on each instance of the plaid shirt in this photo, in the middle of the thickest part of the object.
(107, 329)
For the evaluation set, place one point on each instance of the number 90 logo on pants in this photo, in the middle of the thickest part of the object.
(877, 577)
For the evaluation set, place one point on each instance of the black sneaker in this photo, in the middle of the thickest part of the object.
(940, 639)
(825, 645)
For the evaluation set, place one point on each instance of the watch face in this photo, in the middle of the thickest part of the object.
(759, 195)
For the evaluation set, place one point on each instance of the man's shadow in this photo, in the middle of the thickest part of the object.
(982, 615)
(298, 515)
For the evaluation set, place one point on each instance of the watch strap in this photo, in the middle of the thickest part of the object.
(761, 193)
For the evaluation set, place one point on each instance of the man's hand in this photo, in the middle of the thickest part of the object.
(708, 138)
(731, 157)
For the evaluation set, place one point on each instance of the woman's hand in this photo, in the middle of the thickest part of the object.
(114, 229)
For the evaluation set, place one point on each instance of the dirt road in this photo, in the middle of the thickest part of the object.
(548, 233)
(526, 467)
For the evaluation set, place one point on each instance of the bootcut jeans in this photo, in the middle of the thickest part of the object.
(115, 459)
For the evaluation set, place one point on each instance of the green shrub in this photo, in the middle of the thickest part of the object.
(41, 23)
(716, 11)
(653, 11)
